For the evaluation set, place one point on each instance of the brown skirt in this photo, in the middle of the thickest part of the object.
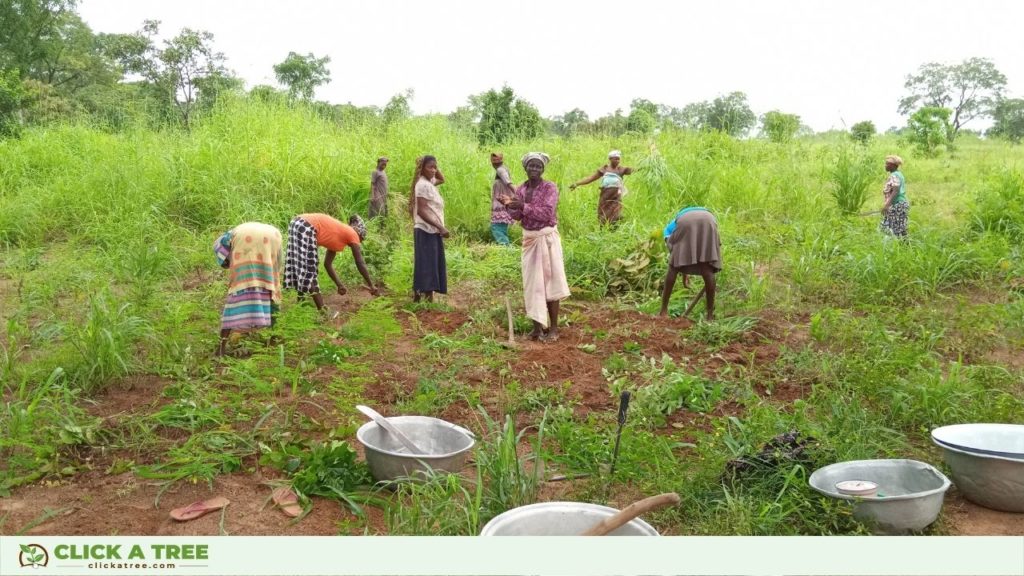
(695, 241)
(609, 206)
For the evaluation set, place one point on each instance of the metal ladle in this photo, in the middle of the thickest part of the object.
(390, 428)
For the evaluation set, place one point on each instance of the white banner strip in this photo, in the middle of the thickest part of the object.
(480, 556)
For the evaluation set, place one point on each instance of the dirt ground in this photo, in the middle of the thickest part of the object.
(96, 503)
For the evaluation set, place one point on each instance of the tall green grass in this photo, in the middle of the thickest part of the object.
(107, 271)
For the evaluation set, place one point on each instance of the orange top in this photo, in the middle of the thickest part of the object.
(330, 232)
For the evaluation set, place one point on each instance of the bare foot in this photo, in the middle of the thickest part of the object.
(551, 336)
(536, 335)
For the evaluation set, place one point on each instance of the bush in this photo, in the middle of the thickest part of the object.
(999, 206)
(778, 126)
(850, 175)
(863, 131)
(929, 128)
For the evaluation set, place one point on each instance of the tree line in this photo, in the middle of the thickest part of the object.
(53, 67)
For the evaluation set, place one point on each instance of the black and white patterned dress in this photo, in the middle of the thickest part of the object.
(302, 258)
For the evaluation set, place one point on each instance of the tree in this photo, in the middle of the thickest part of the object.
(398, 107)
(929, 127)
(29, 29)
(504, 117)
(57, 56)
(970, 89)
(180, 72)
(1009, 116)
(11, 94)
(640, 121)
(302, 74)
(614, 124)
(465, 118)
(863, 131)
(527, 122)
(730, 114)
(572, 123)
(779, 126)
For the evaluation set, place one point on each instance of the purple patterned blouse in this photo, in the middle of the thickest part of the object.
(541, 211)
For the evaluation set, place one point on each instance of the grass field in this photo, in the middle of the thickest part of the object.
(115, 411)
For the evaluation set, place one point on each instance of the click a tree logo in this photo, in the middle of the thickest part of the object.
(33, 555)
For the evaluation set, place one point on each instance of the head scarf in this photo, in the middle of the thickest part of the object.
(358, 225)
(382, 159)
(222, 249)
(615, 154)
(544, 158)
(497, 157)
(894, 159)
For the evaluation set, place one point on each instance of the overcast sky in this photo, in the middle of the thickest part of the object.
(833, 63)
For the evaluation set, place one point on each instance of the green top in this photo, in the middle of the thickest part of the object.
(901, 196)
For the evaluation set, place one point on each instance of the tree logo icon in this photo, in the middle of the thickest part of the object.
(33, 555)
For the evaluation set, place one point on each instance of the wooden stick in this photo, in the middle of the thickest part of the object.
(632, 511)
(694, 301)
(508, 309)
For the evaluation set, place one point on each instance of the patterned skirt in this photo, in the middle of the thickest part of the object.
(301, 259)
(895, 220)
(248, 308)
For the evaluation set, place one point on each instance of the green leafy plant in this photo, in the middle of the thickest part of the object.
(327, 469)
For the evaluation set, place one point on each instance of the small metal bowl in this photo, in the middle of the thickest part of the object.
(447, 447)
(909, 498)
(560, 519)
(991, 481)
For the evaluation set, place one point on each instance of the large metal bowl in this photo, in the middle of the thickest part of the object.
(560, 519)
(910, 493)
(1006, 440)
(446, 445)
(992, 481)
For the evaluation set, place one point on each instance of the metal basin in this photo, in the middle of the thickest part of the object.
(1006, 440)
(446, 444)
(990, 481)
(560, 519)
(910, 493)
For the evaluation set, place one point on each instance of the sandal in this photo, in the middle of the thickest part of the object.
(286, 499)
(197, 509)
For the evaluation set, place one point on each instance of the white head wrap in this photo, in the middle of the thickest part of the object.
(544, 158)
(615, 154)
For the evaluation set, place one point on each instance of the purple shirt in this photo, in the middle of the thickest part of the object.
(541, 210)
(499, 189)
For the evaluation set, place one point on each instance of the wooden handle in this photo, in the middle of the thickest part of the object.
(695, 300)
(632, 511)
(508, 309)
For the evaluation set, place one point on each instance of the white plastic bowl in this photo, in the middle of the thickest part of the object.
(560, 519)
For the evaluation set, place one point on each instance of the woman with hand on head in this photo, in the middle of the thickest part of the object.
(430, 271)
